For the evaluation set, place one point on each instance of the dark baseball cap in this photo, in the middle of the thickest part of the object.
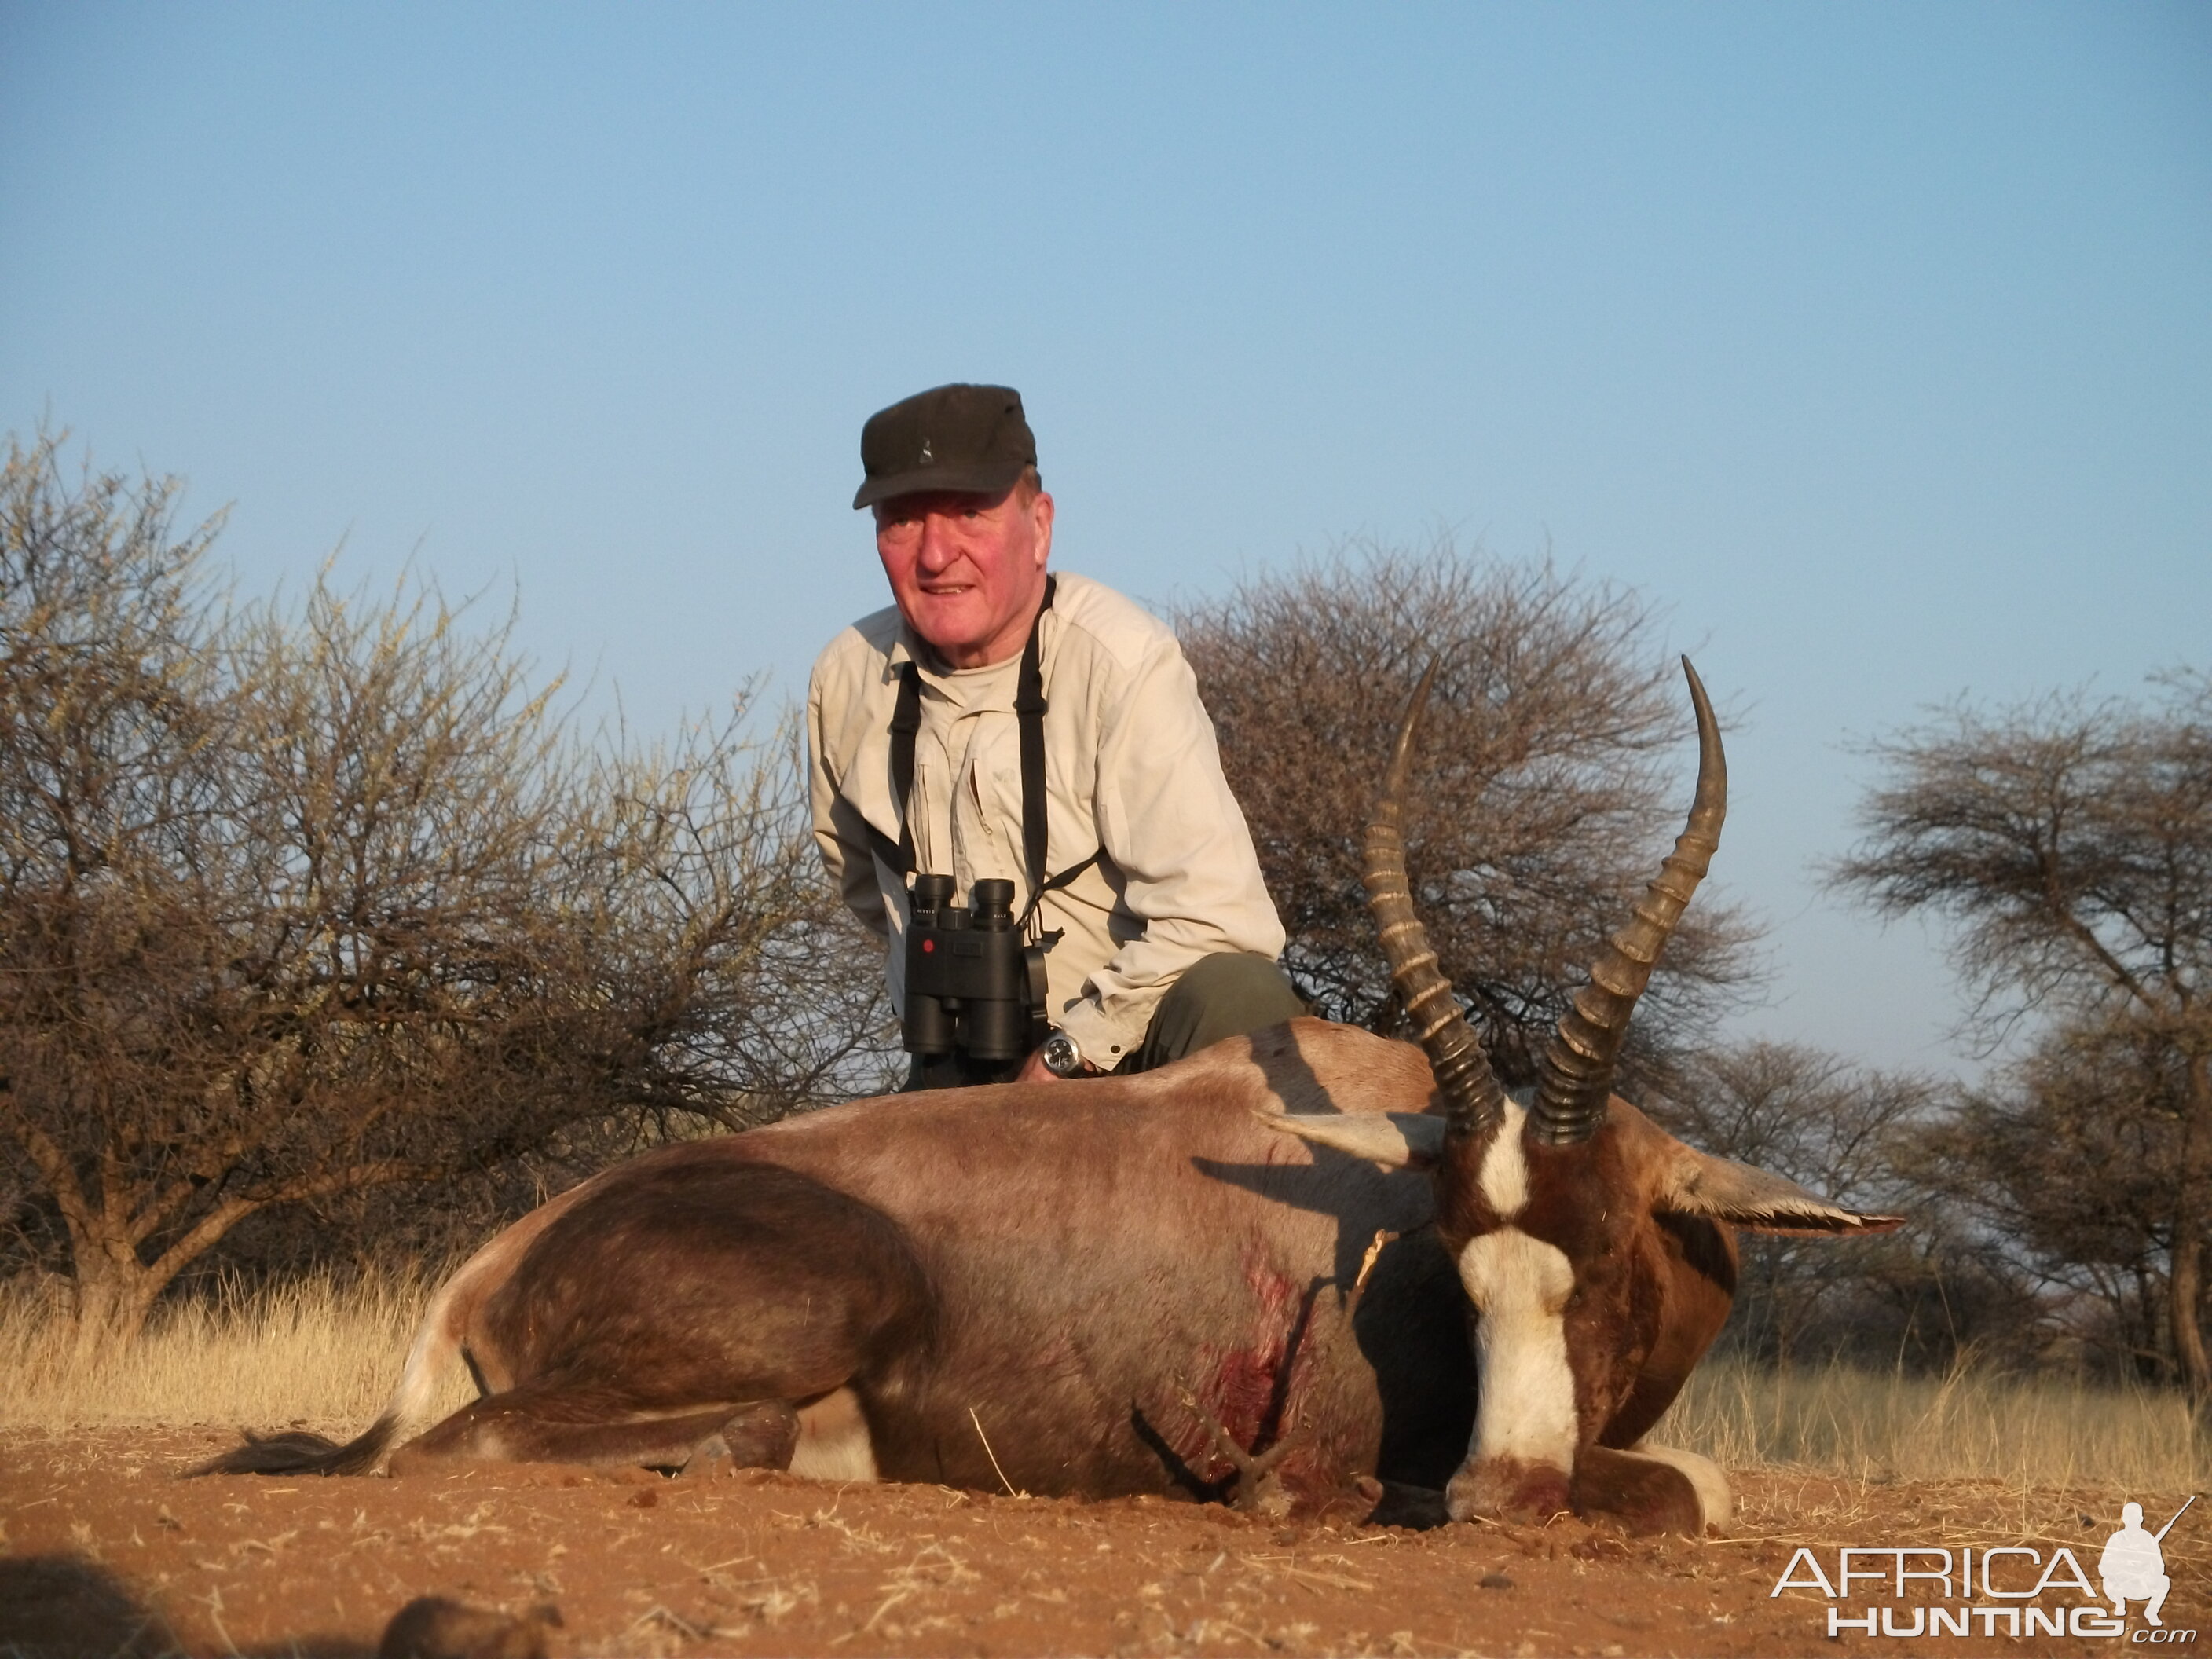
(951, 437)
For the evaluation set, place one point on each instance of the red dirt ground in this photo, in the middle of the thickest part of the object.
(105, 1553)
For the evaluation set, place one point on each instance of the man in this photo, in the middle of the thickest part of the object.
(1160, 938)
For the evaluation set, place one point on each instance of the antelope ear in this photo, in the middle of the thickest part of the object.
(1695, 1184)
(1395, 1140)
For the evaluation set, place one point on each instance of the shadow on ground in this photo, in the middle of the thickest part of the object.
(64, 1606)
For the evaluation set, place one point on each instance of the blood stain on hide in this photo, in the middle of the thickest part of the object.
(1254, 1390)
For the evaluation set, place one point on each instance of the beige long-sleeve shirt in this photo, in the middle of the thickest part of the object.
(1131, 770)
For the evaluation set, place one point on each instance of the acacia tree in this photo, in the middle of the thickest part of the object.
(298, 902)
(2063, 1167)
(2069, 842)
(1549, 780)
(1842, 1130)
(734, 986)
(112, 719)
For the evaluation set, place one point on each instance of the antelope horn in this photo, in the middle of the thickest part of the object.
(1473, 1101)
(1576, 1078)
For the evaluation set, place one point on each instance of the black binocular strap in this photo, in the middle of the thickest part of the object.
(906, 721)
(1029, 716)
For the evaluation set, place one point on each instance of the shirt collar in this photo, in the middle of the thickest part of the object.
(908, 647)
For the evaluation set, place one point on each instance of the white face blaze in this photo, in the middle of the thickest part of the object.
(1505, 1175)
(1520, 1285)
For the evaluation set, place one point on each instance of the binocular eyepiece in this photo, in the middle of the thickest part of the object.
(972, 987)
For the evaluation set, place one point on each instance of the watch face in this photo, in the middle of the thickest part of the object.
(1061, 1056)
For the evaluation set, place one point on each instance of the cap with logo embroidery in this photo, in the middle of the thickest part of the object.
(951, 437)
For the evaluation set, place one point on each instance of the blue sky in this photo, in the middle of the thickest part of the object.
(1872, 342)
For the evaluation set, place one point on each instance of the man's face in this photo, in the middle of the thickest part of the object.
(966, 570)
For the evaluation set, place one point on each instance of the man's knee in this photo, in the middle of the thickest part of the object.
(1221, 996)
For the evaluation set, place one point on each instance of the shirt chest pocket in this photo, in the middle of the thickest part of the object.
(990, 788)
(991, 785)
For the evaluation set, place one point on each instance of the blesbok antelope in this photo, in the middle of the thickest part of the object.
(1083, 1289)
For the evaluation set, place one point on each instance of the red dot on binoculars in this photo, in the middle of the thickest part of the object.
(927, 945)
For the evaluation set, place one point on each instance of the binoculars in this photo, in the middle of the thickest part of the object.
(972, 987)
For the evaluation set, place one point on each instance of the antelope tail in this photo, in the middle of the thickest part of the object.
(436, 1347)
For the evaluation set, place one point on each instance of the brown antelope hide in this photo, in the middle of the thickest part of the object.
(1251, 1274)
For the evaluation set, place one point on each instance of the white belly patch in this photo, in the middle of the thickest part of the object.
(833, 1440)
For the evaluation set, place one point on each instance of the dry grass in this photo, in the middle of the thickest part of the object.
(325, 1351)
(1884, 1426)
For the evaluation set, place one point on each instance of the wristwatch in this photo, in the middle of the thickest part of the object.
(1061, 1057)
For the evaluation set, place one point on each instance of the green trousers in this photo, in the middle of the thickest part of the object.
(1217, 997)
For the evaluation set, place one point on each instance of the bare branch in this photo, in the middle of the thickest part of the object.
(299, 900)
(1553, 764)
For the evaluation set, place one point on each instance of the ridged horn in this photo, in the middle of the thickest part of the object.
(1576, 1078)
(1473, 1101)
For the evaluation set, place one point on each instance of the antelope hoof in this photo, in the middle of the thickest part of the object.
(1507, 1489)
(1642, 1494)
(1395, 1503)
(761, 1437)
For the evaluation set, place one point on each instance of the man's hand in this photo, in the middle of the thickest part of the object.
(1033, 1070)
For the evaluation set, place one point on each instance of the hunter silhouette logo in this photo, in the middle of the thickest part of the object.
(2133, 1566)
(2007, 1590)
